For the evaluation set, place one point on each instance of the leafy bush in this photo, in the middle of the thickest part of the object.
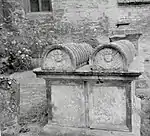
(16, 56)
(21, 39)
(9, 103)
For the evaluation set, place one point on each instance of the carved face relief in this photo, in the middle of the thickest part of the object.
(108, 56)
(108, 59)
(58, 55)
(57, 60)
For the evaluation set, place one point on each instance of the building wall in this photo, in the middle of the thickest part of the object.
(81, 19)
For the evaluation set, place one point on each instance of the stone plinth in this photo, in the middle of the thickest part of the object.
(66, 57)
(114, 56)
(91, 103)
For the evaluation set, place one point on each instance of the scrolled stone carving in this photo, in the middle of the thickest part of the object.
(66, 57)
(108, 59)
(115, 56)
(57, 59)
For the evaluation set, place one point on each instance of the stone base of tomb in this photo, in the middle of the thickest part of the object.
(55, 130)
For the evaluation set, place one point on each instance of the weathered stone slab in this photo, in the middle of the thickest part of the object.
(9, 106)
(108, 107)
(68, 102)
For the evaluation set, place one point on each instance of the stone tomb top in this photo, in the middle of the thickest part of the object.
(66, 57)
(115, 56)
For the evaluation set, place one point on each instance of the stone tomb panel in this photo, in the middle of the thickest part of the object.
(57, 60)
(108, 59)
(68, 100)
(108, 107)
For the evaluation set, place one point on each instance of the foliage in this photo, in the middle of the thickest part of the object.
(19, 31)
(9, 104)
(21, 39)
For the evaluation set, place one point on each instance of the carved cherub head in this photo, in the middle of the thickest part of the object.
(108, 55)
(58, 55)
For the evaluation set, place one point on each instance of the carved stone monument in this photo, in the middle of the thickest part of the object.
(114, 56)
(66, 57)
(95, 99)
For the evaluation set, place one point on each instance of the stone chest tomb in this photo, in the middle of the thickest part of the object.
(93, 91)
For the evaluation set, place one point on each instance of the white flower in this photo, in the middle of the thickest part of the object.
(10, 33)
(9, 82)
(22, 56)
(19, 51)
(13, 42)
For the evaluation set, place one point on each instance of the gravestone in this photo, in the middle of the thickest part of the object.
(9, 106)
(96, 98)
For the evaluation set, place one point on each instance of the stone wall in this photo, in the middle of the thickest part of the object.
(79, 20)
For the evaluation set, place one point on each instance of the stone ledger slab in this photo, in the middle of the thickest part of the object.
(108, 108)
(68, 101)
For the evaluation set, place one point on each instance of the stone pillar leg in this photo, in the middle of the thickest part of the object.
(48, 95)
